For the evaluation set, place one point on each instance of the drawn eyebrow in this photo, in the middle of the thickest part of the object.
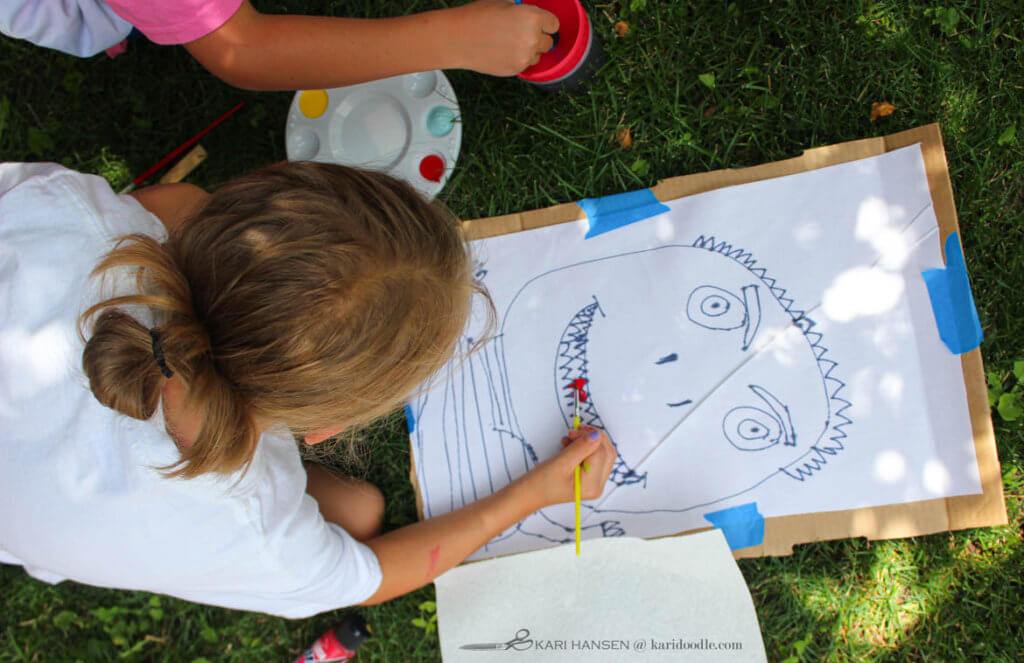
(667, 358)
(686, 402)
(781, 412)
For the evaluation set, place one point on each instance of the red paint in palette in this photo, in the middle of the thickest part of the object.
(432, 168)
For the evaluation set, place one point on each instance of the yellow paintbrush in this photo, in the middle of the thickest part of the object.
(577, 392)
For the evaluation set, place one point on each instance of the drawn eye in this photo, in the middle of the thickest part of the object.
(715, 308)
(751, 429)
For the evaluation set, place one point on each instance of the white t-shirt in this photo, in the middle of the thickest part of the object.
(80, 497)
(77, 27)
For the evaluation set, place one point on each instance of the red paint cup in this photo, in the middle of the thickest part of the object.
(577, 52)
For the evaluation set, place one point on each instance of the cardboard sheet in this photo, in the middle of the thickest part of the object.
(877, 522)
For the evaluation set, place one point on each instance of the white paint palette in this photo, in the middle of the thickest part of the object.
(407, 126)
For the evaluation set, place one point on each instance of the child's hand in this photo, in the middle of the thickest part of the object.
(501, 38)
(553, 479)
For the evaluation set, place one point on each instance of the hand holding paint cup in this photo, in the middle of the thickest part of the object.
(500, 37)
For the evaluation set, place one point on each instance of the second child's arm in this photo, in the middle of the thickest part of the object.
(414, 555)
(287, 52)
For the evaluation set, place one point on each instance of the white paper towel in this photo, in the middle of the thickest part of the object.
(623, 599)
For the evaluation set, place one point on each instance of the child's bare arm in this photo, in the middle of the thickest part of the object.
(286, 52)
(412, 556)
(171, 203)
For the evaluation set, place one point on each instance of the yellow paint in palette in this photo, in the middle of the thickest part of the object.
(313, 103)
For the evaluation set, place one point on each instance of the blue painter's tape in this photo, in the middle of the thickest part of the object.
(611, 212)
(952, 301)
(742, 525)
(410, 419)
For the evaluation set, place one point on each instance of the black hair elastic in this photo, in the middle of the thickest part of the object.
(158, 353)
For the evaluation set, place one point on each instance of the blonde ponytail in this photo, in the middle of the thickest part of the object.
(119, 363)
(311, 295)
(125, 372)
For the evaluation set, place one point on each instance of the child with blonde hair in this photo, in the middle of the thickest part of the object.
(157, 451)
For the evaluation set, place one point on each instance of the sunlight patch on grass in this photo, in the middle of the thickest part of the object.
(878, 600)
(111, 167)
(882, 21)
(960, 109)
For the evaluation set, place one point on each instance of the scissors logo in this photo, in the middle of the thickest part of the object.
(519, 642)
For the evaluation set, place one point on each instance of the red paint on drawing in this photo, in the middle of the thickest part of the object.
(577, 385)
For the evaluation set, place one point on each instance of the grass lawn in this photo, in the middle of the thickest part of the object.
(785, 75)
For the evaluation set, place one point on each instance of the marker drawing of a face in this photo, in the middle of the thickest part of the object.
(707, 378)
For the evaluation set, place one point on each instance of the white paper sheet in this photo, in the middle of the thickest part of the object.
(675, 599)
(771, 342)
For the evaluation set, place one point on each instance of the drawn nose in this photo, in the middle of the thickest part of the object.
(752, 303)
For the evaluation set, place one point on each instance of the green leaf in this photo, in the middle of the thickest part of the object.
(994, 380)
(993, 396)
(1010, 407)
(638, 5)
(1018, 370)
(73, 81)
(39, 142)
(105, 615)
(154, 601)
(208, 634)
(1008, 134)
(640, 167)
(156, 613)
(64, 619)
(708, 80)
(137, 647)
(428, 606)
(419, 622)
(946, 18)
(256, 114)
(96, 648)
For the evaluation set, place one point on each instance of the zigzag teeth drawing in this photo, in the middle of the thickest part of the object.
(803, 468)
(571, 364)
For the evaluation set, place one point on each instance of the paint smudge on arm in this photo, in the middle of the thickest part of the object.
(435, 555)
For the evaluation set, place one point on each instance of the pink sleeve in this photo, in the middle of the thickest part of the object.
(175, 21)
